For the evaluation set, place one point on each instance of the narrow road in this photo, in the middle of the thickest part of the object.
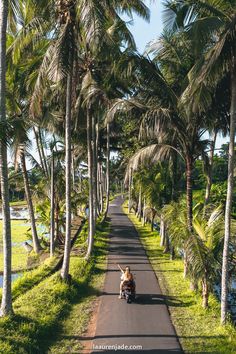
(145, 323)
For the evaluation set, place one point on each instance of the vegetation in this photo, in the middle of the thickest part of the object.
(84, 116)
(42, 313)
(196, 327)
(29, 279)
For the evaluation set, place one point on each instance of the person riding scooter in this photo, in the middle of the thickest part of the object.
(126, 277)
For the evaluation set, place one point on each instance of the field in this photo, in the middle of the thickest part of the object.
(19, 254)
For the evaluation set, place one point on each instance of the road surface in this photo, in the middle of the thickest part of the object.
(144, 325)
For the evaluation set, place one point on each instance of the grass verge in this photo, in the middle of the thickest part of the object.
(46, 316)
(199, 330)
(31, 278)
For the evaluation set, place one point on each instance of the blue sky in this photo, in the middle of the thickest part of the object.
(145, 32)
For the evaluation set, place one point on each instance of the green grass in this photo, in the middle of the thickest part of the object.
(19, 255)
(31, 278)
(18, 203)
(77, 321)
(53, 310)
(199, 330)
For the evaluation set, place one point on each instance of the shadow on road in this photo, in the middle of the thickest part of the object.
(151, 299)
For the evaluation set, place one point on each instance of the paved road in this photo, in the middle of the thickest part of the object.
(145, 323)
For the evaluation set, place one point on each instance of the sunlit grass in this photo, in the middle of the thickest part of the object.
(19, 230)
(53, 310)
(199, 330)
(19, 203)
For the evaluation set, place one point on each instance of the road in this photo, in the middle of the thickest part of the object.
(145, 323)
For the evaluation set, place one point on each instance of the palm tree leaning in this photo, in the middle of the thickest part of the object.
(6, 305)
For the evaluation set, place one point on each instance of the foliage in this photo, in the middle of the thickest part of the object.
(204, 246)
(198, 330)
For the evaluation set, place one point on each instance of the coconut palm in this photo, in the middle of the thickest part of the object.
(107, 169)
(52, 208)
(91, 42)
(6, 305)
(215, 22)
(36, 244)
(170, 129)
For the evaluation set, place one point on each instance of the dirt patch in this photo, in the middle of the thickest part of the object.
(88, 336)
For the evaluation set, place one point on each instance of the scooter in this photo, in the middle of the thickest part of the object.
(128, 291)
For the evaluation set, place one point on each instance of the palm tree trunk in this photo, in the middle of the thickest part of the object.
(52, 212)
(108, 169)
(42, 151)
(97, 168)
(36, 244)
(94, 168)
(130, 189)
(6, 305)
(100, 187)
(91, 189)
(140, 204)
(66, 258)
(209, 175)
(162, 231)
(189, 192)
(185, 265)
(174, 176)
(153, 214)
(228, 207)
(205, 293)
(39, 149)
(144, 207)
(167, 244)
(57, 211)
(73, 167)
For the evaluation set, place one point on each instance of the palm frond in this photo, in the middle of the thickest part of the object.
(92, 17)
(123, 105)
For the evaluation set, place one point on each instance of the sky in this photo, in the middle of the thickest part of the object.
(145, 32)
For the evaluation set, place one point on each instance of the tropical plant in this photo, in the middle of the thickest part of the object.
(6, 305)
(214, 21)
(203, 246)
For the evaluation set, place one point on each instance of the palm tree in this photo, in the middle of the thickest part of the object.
(107, 169)
(52, 208)
(94, 42)
(36, 244)
(91, 187)
(19, 141)
(66, 259)
(215, 24)
(6, 305)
